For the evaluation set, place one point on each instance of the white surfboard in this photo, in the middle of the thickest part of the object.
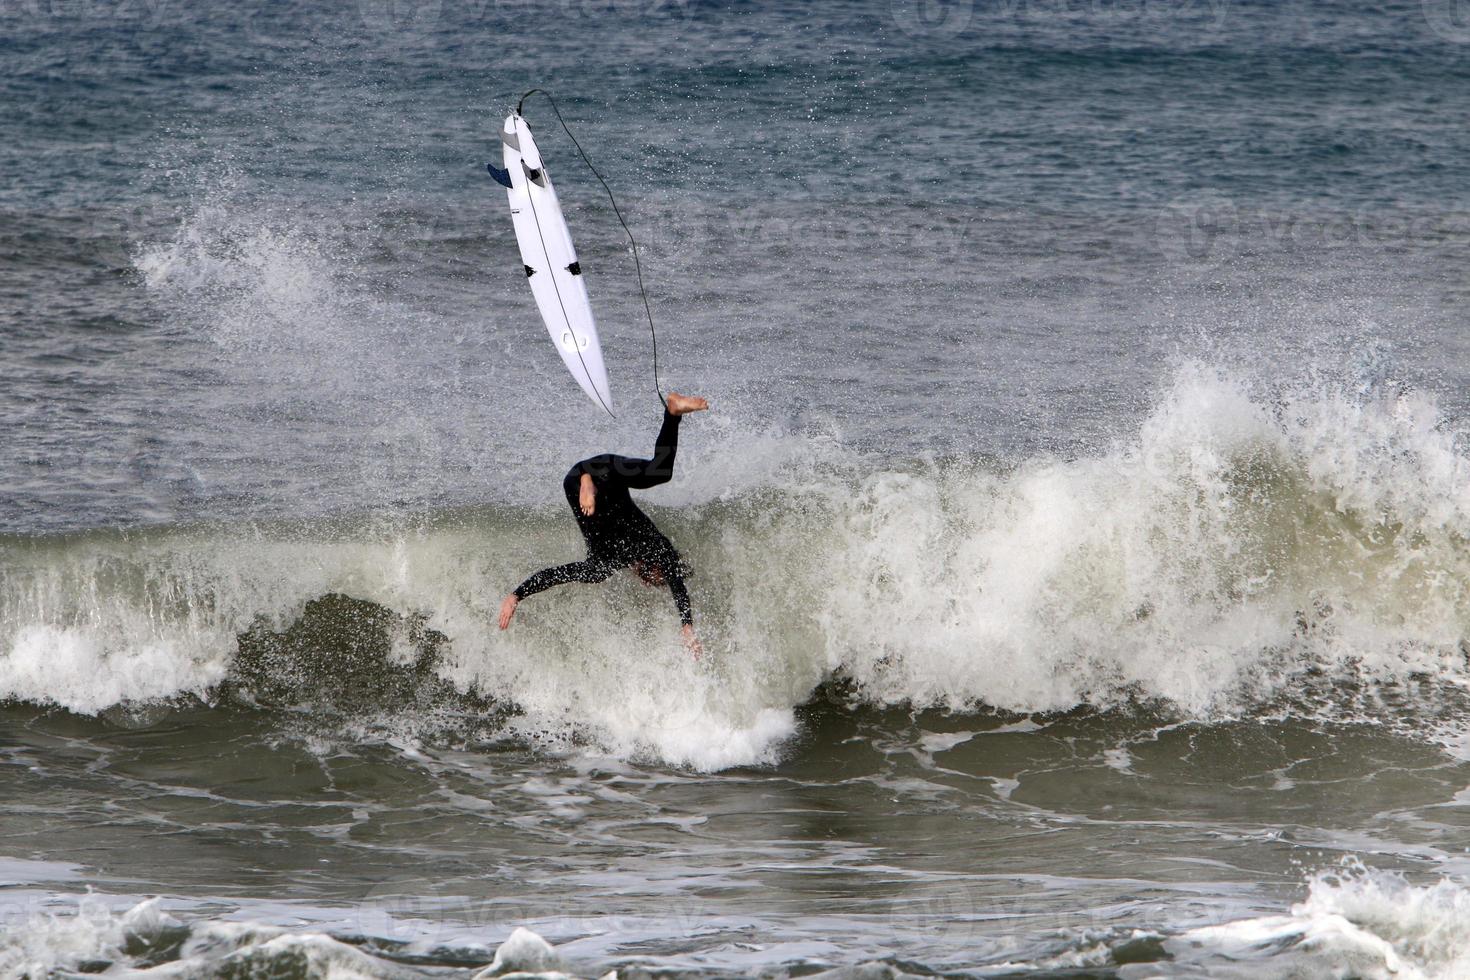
(551, 260)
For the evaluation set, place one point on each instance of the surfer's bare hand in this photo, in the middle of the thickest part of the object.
(508, 609)
(691, 642)
(589, 496)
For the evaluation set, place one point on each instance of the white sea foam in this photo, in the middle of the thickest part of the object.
(523, 952)
(1206, 562)
(1357, 923)
(92, 935)
(44, 945)
(1173, 566)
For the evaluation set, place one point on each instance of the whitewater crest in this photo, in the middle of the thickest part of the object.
(1354, 922)
(1235, 547)
(1232, 544)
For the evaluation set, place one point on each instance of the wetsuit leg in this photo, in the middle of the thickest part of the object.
(640, 474)
(627, 472)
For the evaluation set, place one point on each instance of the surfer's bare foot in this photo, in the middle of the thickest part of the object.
(508, 609)
(684, 404)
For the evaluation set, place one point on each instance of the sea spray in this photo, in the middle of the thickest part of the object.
(1233, 546)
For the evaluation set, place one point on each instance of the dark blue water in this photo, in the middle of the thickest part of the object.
(1079, 529)
(1000, 186)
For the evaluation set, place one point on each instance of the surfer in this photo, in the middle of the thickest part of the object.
(618, 534)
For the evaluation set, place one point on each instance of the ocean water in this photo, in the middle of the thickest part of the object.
(1080, 531)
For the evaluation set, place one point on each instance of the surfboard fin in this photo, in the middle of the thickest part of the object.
(501, 176)
(575, 268)
(537, 177)
(529, 271)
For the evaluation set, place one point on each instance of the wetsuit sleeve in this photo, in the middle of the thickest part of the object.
(681, 596)
(577, 571)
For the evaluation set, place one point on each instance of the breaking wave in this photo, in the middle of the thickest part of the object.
(1240, 552)
(1354, 922)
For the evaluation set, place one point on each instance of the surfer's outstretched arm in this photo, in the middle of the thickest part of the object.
(686, 613)
(681, 596)
(577, 571)
(666, 570)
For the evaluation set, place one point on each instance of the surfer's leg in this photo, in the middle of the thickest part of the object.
(640, 474)
(644, 473)
(660, 468)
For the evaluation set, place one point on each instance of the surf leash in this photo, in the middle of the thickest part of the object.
(637, 265)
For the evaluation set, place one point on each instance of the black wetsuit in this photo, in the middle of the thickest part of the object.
(618, 533)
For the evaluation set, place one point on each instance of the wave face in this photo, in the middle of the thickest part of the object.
(1240, 552)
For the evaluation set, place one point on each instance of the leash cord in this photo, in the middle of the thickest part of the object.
(637, 265)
